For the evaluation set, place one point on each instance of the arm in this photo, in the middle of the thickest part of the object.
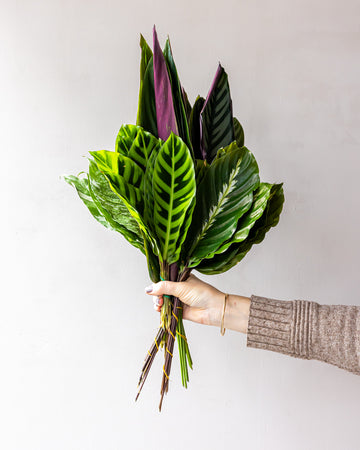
(297, 328)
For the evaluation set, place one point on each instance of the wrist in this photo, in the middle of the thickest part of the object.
(236, 315)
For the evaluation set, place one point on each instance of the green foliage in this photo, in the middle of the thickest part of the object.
(194, 201)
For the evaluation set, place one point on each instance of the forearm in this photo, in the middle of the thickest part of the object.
(306, 330)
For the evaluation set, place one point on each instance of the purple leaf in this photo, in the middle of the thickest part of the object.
(165, 113)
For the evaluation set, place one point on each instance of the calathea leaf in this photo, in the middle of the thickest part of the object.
(146, 117)
(173, 190)
(82, 187)
(152, 262)
(126, 179)
(137, 144)
(178, 97)
(148, 193)
(165, 113)
(217, 129)
(248, 220)
(124, 174)
(236, 252)
(239, 133)
(113, 208)
(187, 104)
(223, 196)
(146, 55)
(195, 128)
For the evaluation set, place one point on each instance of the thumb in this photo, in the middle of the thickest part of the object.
(166, 288)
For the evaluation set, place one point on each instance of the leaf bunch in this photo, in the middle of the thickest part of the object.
(181, 187)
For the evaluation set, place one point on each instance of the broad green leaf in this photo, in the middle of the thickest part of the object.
(223, 151)
(148, 193)
(236, 252)
(247, 221)
(223, 196)
(239, 133)
(124, 174)
(113, 208)
(194, 126)
(137, 144)
(146, 55)
(152, 262)
(217, 128)
(147, 109)
(125, 138)
(177, 95)
(82, 187)
(173, 190)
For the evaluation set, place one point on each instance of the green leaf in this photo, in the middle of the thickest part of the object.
(177, 95)
(239, 133)
(152, 262)
(146, 117)
(247, 221)
(113, 208)
(236, 252)
(223, 196)
(146, 55)
(137, 144)
(173, 190)
(217, 128)
(82, 187)
(124, 174)
(195, 127)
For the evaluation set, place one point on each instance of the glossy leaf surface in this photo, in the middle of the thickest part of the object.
(165, 112)
(223, 196)
(137, 144)
(217, 128)
(173, 191)
(222, 262)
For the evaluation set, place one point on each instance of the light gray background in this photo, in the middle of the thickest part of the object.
(74, 321)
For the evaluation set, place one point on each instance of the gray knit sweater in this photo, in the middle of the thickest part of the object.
(307, 330)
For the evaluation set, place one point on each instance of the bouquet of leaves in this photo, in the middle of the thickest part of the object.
(182, 188)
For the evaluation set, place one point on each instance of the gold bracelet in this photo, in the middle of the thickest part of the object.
(222, 329)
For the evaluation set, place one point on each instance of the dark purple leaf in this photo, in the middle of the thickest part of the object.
(165, 113)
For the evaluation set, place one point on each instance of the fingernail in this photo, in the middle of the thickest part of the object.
(149, 289)
(157, 301)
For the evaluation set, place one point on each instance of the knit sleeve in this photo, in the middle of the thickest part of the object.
(306, 330)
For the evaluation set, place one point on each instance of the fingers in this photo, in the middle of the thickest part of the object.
(158, 302)
(166, 288)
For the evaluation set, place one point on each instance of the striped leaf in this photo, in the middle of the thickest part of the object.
(173, 190)
(137, 144)
(239, 133)
(223, 196)
(124, 174)
(247, 221)
(113, 208)
(217, 129)
(236, 252)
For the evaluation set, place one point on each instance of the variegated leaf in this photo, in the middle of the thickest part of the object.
(223, 196)
(137, 144)
(236, 252)
(217, 128)
(173, 190)
(124, 174)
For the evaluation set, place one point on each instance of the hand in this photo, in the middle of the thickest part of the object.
(203, 303)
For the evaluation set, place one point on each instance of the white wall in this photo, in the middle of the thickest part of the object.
(74, 320)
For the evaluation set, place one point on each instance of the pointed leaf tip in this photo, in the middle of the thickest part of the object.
(165, 112)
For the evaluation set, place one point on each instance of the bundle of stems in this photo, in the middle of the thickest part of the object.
(182, 188)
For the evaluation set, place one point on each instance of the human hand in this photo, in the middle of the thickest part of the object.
(203, 303)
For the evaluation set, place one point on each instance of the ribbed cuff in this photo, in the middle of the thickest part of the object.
(280, 326)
